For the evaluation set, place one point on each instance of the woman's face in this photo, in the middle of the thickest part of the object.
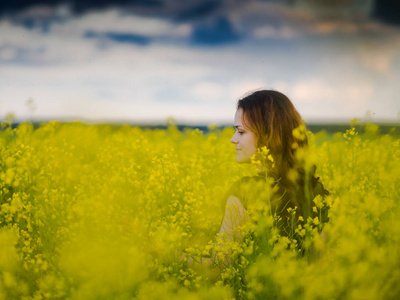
(244, 140)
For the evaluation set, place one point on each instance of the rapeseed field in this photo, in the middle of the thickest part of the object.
(94, 212)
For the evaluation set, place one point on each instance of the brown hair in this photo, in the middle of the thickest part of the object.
(278, 126)
(273, 117)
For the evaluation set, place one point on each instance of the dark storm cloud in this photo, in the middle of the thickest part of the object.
(194, 11)
(11, 7)
(199, 10)
(387, 11)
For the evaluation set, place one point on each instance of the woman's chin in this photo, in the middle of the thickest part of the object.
(241, 160)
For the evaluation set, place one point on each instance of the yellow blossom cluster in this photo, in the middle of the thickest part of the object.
(116, 212)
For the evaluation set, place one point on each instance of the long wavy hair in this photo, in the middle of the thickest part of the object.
(273, 118)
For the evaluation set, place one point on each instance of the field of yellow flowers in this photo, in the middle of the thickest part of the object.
(94, 212)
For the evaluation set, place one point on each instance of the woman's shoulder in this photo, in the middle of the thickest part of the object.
(245, 187)
(238, 185)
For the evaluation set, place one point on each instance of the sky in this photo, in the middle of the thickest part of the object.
(143, 61)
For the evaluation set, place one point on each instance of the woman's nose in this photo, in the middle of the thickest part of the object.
(233, 140)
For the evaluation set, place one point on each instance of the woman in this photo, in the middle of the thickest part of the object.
(269, 132)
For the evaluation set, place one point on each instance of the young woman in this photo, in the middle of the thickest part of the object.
(269, 130)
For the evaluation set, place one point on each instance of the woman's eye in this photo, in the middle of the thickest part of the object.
(238, 131)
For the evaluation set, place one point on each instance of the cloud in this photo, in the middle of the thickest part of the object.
(239, 88)
(311, 90)
(379, 56)
(329, 27)
(347, 97)
(336, 9)
(198, 10)
(270, 32)
(268, 20)
(64, 41)
(387, 11)
(219, 32)
(77, 6)
(257, 45)
(207, 91)
(120, 37)
(116, 21)
(8, 53)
